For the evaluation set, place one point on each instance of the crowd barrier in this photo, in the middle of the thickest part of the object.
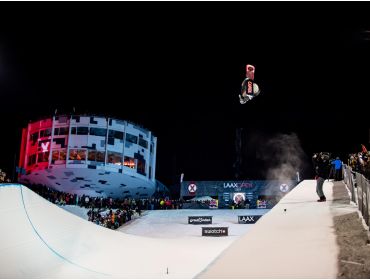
(359, 187)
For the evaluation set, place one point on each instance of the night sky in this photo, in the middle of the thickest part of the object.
(176, 68)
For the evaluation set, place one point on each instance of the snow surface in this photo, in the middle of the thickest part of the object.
(76, 210)
(40, 240)
(174, 223)
(298, 242)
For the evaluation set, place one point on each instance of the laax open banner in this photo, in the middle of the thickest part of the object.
(248, 219)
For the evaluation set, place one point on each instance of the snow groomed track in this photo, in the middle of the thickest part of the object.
(40, 240)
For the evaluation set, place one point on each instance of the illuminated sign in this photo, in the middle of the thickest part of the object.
(250, 87)
(284, 187)
(238, 185)
(197, 220)
(215, 231)
(261, 204)
(213, 203)
(248, 219)
(44, 146)
(239, 197)
(192, 188)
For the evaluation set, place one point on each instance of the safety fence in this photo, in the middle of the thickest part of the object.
(359, 187)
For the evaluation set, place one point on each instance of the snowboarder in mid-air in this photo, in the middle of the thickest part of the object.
(249, 88)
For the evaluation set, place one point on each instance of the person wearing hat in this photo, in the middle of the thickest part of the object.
(322, 168)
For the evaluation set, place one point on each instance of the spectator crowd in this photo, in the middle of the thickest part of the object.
(359, 162)
(108, 212)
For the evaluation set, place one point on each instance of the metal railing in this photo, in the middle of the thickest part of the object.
(359, 187)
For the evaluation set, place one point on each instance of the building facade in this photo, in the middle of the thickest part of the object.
(97, 156)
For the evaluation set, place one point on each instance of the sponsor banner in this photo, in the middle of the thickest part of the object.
(215, 231)
(284, 188)
(261, 204)
(237, 185)
(239, 197)
(250, 87)
(192, 188)
(213, 204)
(225, 190)
(251, 219)
(200, 220)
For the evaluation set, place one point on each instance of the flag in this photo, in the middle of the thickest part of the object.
(364, 150)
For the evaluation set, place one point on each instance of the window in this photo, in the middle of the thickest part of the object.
(98, 131)
(143, 143)
(141, 167)
(31, 160)
(34, 137)
(43, 157)
(45, 132)
(72, 154)
(81, 154)
(62, 155)
(55, 156)
(61, 131)
(95, 155)
(129, 162)
(82, 130)
(91, 155)
(110, 141)
(151, 148)
(58, 157)
(114, 158)
(116, 134)
(131, 138)
(100, 156)
(77, 154)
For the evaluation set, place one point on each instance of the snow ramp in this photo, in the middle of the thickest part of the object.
(40, 240)
(296, 239)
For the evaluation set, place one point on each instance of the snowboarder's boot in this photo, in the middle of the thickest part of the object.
(322, 199)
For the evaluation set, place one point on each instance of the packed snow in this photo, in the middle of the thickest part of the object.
(41, 240)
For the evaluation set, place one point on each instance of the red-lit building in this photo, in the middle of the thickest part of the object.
(91, 155)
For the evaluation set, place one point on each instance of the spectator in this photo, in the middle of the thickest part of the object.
(322, 167)
(161, 203)
(337, 169)
(87, 201)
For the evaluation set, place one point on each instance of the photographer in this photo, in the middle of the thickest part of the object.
(321, 165)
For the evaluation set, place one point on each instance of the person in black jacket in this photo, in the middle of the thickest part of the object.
(321, 164)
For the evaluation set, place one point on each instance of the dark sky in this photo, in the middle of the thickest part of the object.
(176, 68)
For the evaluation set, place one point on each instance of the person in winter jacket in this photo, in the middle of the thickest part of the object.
(337, 169)
(322, 168)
